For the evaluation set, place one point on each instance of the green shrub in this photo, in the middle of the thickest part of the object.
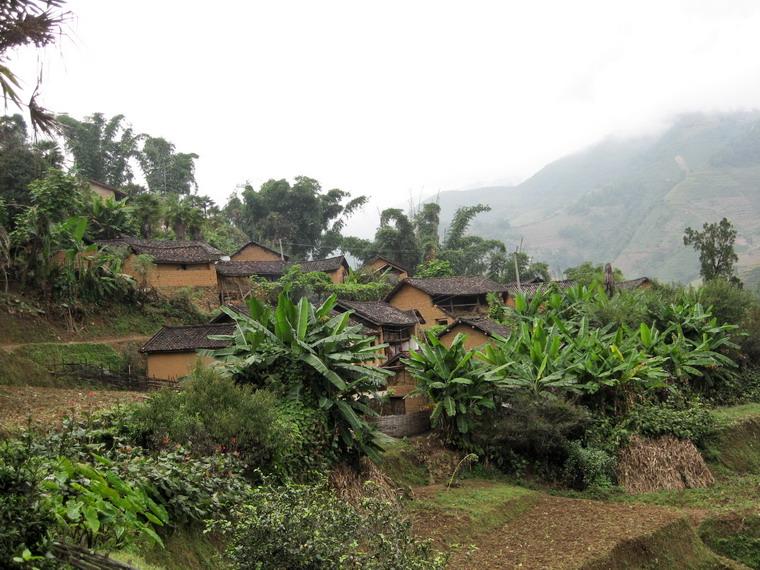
(537, 429)
(729, 303)
(280, 528)
(750, 342)
(589, 467)
(693, 422)
(214, 414)
(25, 519)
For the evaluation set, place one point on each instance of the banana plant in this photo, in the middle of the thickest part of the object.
(454, 381)
(314, 356)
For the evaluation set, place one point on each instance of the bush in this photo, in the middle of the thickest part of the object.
(214, 414)
(729, 303)
(589, 467)
(24, 518)
(297, 526)
(693, 422)
(750, 343)
(537, 429)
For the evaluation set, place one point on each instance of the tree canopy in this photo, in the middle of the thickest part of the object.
(715, 245)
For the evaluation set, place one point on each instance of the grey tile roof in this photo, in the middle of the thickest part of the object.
(277, 268)
(188, 338)
(532, 287)
(380, 313)
(452, 286)
(633, 283)
(168, 251)
(483, 324)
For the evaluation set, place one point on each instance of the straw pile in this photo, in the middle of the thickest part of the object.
(353, 484)
(664, 463)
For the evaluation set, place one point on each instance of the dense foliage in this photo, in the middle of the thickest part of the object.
(308, 354)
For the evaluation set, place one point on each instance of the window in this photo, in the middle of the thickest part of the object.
(183, 266)
(443, 322)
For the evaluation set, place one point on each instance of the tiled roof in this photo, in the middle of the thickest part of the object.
(633, 283)
(257, 244)
(451, 286)
(388, 262)
(168, 251)
(118, 193)
(276, 268)
(483, 324)
(380, 313)
(532, 287)
(243, 310)
(188, 338)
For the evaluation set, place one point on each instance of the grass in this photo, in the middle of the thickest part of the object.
(735, 414)
(185, 549)
(17, 370)
(460, 514)
(51, 354)
(401, 465)
(735, 536)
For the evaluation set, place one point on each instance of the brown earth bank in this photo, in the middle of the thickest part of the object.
(546, 532)
(46, 407)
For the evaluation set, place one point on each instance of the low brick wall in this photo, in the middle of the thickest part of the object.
(404, 424)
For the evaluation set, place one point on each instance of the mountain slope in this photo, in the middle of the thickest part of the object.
(628, 201)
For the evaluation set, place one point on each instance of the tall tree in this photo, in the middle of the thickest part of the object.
(24, 23)
(183, 217)
(426, 221)
(469, 255)
(167, 171)
(715, 245)
(102, 148)
(306, 219)
(21, 162)
(502, 267)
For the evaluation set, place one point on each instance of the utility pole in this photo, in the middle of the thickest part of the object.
(517, 268)
(282, 255)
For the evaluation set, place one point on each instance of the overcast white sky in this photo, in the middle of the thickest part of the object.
(397, 98)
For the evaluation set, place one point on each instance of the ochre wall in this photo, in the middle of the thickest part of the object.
(104, 193)
(171, 276)
(473, 337)
(408, 298)
(338, 276)
(173, 365)
(253, 252)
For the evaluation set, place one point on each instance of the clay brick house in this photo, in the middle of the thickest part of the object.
(476, 330)
(173, 351)
(392, 326)
(105, 191)
(234, 276)
(253, 251)
(383, 265)
(174, 264)
(441, 300)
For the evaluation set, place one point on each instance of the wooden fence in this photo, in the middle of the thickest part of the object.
(120, 380)
(84, 559)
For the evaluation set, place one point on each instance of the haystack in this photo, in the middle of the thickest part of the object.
(353, 484)
(664, 463)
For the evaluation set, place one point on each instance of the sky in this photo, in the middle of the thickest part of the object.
(396, 100)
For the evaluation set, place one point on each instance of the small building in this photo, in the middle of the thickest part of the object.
(105, 191)
(383, 265)
(253, 251)
(476, 330)
(441, 300)
(392, 326)
(173, 351)
(172, 264)
(638, 283)
(533, 286)
(234, 276)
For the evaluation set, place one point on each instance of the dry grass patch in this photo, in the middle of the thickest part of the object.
(664, 463)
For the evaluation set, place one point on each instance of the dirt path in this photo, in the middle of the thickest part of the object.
(48, 406)
(562, 533)
(104, 340)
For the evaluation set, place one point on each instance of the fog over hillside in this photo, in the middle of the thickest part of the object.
(629, 200)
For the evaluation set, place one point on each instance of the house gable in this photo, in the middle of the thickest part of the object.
(408, 298)
(253, 251)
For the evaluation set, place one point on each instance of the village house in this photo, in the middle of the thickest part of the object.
(391, 326)
(382, 265)
(234, 275)
(441, 300)
(172, 352)
(105, 191)
(476, 330)
(166, 265)
(253, 251)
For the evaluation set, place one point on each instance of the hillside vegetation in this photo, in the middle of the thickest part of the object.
(628, 201)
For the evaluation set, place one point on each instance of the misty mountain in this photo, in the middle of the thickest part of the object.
(628, 201)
